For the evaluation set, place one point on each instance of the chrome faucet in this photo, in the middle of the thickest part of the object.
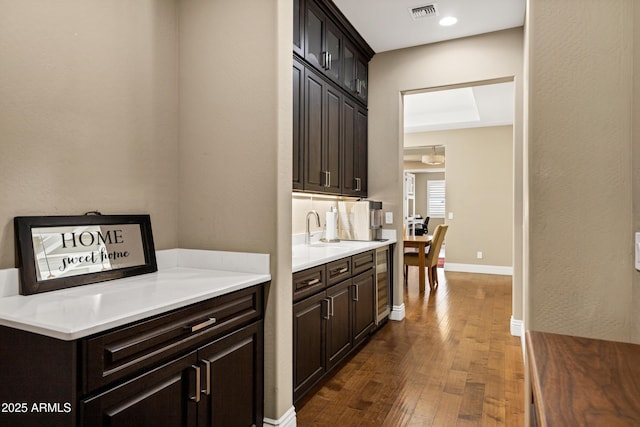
(307, 236)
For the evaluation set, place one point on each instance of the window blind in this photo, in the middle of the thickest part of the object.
(436, 198)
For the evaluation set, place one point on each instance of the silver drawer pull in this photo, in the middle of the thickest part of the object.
(202, 325)
(207, 369)
(196, 398)
(312, 282)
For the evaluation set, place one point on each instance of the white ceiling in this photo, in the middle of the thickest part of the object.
(461, 108)
(388, 24)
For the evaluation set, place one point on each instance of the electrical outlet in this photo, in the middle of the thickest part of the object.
(479, 255)
(388, 217)
(450, 215)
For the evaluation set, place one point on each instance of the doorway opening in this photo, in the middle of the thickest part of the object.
(463, 136)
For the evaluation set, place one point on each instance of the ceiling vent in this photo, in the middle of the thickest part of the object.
(424, 11)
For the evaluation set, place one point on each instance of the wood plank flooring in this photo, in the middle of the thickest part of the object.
(451, 362)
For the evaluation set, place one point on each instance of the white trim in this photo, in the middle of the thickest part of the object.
(397, 312)
(503, 270)
(287, 420)
(517, 327)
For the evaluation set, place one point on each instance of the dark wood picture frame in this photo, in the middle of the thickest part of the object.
(26, 259)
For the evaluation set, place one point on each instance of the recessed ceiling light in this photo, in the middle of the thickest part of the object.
(448, 21)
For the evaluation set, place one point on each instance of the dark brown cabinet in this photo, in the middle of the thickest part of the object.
(332, 322)
(322, 111)
(200, 365)
(363, 305)
(323, 42)
(298, 125)
(220, 384)
(354, 146)
(355, 77)
(339, 334)
(329, 107)
(298, 26)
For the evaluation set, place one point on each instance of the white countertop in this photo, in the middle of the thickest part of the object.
(184, 277)
(317, 253)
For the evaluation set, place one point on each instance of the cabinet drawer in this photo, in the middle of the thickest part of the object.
(363, 262)
(308, 282)
(119, 353)
(338, 270)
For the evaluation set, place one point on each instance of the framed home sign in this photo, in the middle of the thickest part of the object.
(56, 252)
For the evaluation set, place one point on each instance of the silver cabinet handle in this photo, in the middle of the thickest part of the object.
(340, 270)
(356, 293)
(358, 184)
(207, 369)
(328, 315)
(329, 62)
(196, 398)
(202, 325)
(312, 282)
(328, 179)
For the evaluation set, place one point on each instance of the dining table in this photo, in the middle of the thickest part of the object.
(421, 243)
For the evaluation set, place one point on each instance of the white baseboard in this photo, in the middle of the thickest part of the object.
(516, 327)
(397, 312)
(476, 268)
(287, 420)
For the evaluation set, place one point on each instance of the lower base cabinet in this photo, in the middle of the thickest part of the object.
(197, 366)
(213, 386)
(330, 324)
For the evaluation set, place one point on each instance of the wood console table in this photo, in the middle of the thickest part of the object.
(583, 382)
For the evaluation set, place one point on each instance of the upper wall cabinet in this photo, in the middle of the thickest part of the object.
(298, 26)
(323, 43)
(330, 101)
(355, 69)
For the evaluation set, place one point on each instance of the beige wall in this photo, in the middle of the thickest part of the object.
(479, 182)
(89, 98)
(175, 108)
(488, 57)
(580, 144)
(235, 152)
(635, 327)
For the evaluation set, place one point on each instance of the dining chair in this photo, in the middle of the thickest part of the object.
(431, 257)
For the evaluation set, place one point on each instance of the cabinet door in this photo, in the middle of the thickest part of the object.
(298, 125)
(333, 142)
(322, 140)
(361, 153)
(298, 26)
(314, 43)
(164, 396)
(232, 388)
(349, 68)
(354, 144)
(309, 319)
(362, 79)
(333, 48)
(363, 298)
(339, 323)
(314, 132)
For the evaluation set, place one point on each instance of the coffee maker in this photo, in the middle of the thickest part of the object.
(360, 220)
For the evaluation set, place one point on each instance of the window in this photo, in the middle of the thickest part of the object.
(435, 198)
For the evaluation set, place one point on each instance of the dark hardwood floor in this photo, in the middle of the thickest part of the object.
(450, 362)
